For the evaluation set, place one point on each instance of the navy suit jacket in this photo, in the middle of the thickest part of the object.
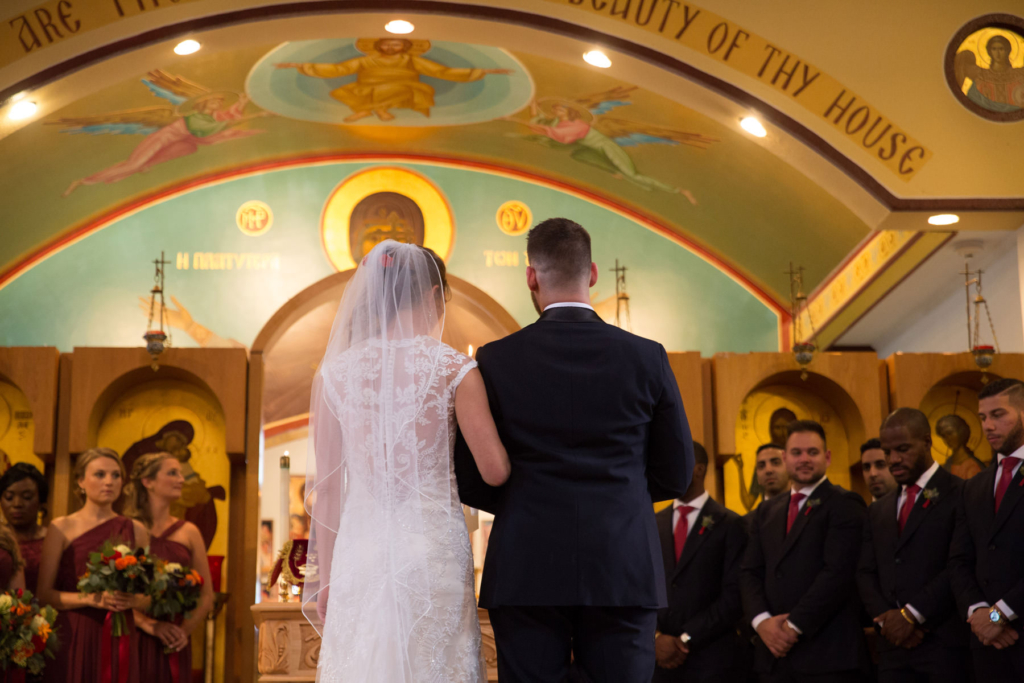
(809, 574)
(704, 589)
(595, 430)
(897, 569)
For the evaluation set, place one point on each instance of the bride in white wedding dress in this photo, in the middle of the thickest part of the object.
(389, 576)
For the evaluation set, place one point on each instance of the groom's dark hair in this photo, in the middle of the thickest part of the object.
(559, 250)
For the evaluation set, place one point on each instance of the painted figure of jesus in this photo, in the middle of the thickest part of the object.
(388, 77)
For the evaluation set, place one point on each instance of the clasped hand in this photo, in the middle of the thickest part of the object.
(996, 635)
(114, 601)
(898, 631)
(172, 636)
(670, 652)
(777, 635)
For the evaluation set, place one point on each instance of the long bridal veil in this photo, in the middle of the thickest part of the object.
(378, 486)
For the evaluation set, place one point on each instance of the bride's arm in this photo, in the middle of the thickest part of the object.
(477, 425)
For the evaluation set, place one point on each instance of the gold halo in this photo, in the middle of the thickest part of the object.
(438, 223)
(188, 106)
(981, 37)
(366, 45)
(548, 103)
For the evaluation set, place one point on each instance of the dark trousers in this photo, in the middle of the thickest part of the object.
(609, 644)
(783, 673)
(999, 666)
(935, 663)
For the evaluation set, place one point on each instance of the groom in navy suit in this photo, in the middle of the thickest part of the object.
(594, 427)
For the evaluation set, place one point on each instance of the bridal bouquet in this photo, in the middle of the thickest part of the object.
(116, 567)
(175, 591)
(27, 639)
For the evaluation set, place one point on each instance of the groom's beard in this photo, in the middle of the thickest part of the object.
(533, 298)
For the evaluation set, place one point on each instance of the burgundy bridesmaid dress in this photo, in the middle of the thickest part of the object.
(6, 569)
(32, 552)
(81, 630)
(154, 665)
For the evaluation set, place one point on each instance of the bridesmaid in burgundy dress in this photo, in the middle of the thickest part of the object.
(23, 492)
(99, 475)
(12, 574)
(156, 483)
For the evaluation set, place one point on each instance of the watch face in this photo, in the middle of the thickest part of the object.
(995, 617)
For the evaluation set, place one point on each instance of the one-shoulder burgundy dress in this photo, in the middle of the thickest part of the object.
(32, 553)
(6, 569)
(81, 630)
(154, 665)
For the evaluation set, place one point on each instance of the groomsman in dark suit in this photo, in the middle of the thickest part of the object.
(986, 561)
(702, 544)
(797, 578)
(903, 577)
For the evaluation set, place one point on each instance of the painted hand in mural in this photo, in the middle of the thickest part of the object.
(179, 318)
(388, 77)
(582, 125)
(196, 116)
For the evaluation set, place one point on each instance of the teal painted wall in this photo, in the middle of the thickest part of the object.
(88, 293)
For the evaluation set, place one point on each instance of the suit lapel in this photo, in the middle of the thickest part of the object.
(941, 481)
(668, 541)
(985, 505)
(695, 539)
(1014, 492)
(890, 530)
(820, 496)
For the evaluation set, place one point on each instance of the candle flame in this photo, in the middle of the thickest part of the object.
(470, 354)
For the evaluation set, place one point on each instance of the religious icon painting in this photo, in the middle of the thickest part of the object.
(389, 81)
(985, 67)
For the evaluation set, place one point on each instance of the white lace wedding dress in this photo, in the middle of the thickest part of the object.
(401, 605)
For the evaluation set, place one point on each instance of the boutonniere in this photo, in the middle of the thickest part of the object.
(929, 496)
(812, 503)
(706, 522)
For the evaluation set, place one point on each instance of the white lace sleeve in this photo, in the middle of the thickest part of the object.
(458, 366)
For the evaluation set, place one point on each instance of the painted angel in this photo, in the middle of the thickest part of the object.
(194, 117)
(600, 139)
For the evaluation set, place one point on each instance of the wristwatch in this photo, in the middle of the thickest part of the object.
(685, 638)
(995, 616)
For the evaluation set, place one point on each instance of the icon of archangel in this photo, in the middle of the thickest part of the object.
(582, 125)
(995, 84)
(388, 77)
(193, 117)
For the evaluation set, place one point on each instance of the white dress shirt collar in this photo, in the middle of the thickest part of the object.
(568, 304)
(925, 477)
(809, 489)
(1019, 454)
(697, 503)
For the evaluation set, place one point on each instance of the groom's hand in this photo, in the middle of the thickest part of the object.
(669, 651)
(776, 636)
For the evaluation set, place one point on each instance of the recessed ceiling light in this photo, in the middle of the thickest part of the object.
(187, 47)
(399, 26)
(753, 126)
(286, 452)
(597, 58)
(944, 219)
(22, 110)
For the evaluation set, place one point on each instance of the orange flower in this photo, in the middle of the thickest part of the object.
(125, 562)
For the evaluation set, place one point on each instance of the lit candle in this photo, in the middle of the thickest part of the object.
(470, 354)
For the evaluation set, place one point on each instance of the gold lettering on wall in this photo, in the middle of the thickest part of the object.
(54, 21)
(503, 259)
(786, 73)
(208, 260)
(514, 218)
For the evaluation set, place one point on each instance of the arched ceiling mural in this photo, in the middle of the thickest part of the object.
(865, 139)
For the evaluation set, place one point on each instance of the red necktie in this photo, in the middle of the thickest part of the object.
(1005, 478)
(794, 509)
(908, 505)
(682, 528)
